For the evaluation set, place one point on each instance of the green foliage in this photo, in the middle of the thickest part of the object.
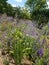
(42, 16)
(5, 62)
(9, 10)
(6, 8)
(3, 5)
(36, 4)
(22, 13)
(21, 44)
(25, 13)
(38, 10)
(0, 45)
(39, 61)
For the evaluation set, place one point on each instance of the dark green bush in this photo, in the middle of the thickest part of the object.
(41, 16)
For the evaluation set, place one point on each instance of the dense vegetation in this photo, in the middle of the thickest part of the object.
(38, 10)
(22, 47)
(18, 46)
(34, 10)
(11, 11)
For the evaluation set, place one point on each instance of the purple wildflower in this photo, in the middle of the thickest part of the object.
(9, 18)
(44, 40)
(33, 32)
(40, 52)
(38, 40)
(48, 24)
(37, 34)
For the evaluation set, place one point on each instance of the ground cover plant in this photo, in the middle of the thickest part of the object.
(20, 45)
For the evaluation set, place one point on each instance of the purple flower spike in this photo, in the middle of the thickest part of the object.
(40, 52)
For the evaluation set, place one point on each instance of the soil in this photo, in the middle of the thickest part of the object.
(1, 58)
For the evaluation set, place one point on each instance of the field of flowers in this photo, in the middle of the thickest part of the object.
(21, 48)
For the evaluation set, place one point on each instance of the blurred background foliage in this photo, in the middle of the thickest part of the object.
(34, 10)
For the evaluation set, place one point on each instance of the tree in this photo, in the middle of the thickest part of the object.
(25, 13)
(38, 10)
(22, 13)
(36, 4)
(41, 4)
(6, 8)
(30, 4)
(9, 10)
(18, 12)
(3, 4)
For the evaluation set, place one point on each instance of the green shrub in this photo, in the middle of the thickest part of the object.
(22, 44)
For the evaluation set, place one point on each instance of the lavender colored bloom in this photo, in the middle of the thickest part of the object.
(40, 52)
(33, 32)
(37, 34)
(44, 40)
(48, 24)
(38, 40)
(9, 18)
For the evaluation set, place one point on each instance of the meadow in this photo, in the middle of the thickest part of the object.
(24, 32)
(19, 48)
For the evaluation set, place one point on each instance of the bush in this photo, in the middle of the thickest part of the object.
(23, 44)
(41, 16)
(22, 13)
(19, 44)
